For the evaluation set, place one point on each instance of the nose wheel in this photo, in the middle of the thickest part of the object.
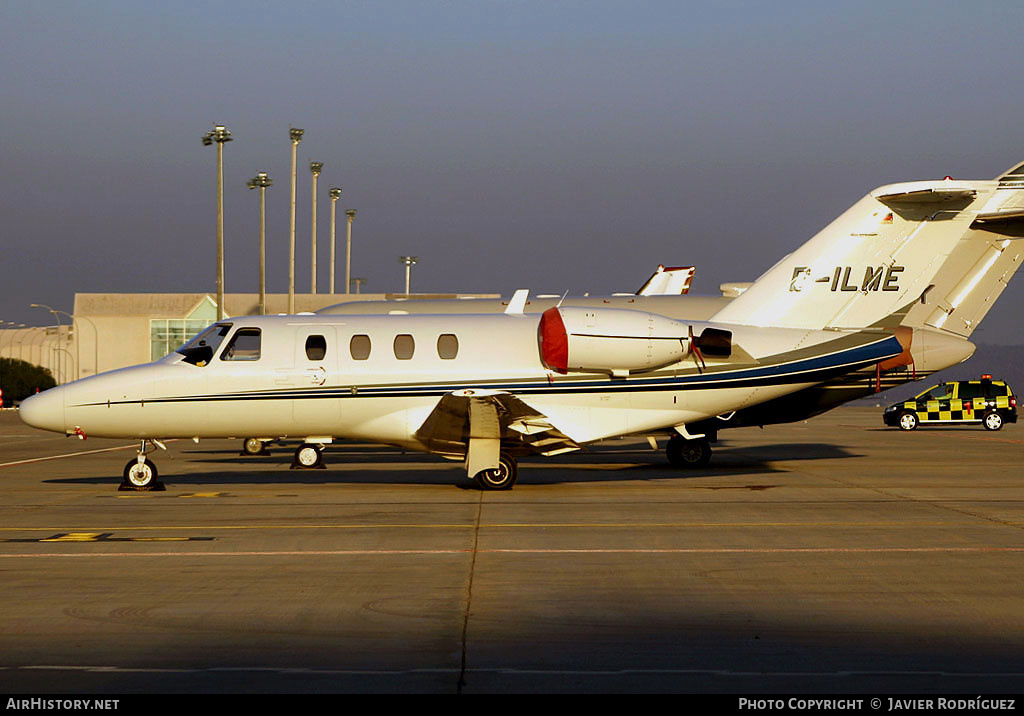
(140, 474)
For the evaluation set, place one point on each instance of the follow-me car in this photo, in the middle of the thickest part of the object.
(886, 293)
(990, 403)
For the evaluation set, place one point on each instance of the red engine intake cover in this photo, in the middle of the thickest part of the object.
(554, 343)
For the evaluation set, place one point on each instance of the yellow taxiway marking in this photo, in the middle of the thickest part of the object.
(74, 537)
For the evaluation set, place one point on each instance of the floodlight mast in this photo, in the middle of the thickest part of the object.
(220, 135)
(409, 262)
(335, 194)
(261, 181)
(315, 168)
(296, 137)
(351, 214)
(58, 368)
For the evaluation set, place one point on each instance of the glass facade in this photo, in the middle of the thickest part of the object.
(169, 334)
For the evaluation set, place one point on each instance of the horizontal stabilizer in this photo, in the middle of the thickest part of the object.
(926, 194)
(1009, 223)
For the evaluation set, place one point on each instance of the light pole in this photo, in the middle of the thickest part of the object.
(409, 262)
(42, 341)
(78, 345)
(13, 326)
(19, 339)
(261, 181)
(315, 168)
(335, 194)
(296, 137)
(351, 214)
(55, 312)
(219, 135)
(359, 284)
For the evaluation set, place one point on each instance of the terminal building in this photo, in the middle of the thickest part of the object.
(114, 330)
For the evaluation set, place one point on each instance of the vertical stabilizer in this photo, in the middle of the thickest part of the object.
(911, 244)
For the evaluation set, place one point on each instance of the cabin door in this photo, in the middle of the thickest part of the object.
(316, 407)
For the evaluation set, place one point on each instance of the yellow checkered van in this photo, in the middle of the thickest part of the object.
(986, 401)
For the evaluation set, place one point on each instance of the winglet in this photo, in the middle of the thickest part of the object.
(517, 304)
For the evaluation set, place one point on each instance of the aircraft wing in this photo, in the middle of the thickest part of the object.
(474, 422)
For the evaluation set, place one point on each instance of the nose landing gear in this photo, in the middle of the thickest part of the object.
(140, 474)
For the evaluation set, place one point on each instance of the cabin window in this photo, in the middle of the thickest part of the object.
(245, 345)
(447, 346)
(405, 346)
(316, 347)
(199, 351)
(970, 391)
(359, 347)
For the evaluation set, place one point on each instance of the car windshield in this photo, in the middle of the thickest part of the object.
(199, 351)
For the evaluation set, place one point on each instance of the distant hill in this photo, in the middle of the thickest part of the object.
(1002, 362)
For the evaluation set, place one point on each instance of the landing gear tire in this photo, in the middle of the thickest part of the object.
(688, 453)
(502, 477)
(308, 456)
(254, 446)
(141, 476)
(992, 421)
(908, 421)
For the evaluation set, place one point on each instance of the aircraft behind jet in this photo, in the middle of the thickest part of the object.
(889, 291)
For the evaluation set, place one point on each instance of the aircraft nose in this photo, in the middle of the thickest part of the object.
(44, 410)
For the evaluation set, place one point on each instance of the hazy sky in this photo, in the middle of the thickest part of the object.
(552, 145)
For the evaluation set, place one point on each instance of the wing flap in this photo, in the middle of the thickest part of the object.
(475, 424)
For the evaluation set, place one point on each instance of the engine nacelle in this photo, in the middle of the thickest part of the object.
(610, 340)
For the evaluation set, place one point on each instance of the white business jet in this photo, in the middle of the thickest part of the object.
(893, 286)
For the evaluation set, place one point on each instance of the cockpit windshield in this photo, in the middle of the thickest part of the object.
(199, 351)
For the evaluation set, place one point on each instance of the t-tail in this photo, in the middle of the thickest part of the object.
(931, 255)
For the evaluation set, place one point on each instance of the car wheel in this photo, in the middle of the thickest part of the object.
(908, 421)
(992, 421)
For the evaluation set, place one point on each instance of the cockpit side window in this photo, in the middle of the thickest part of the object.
(245, 345)
(199, 351)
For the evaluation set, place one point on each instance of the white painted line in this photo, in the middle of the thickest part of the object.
(70, 454)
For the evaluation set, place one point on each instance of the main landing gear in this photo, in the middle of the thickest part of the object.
(254, 446)
(693, 453)
(140, 473)
(503, 477)
(309, 456)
